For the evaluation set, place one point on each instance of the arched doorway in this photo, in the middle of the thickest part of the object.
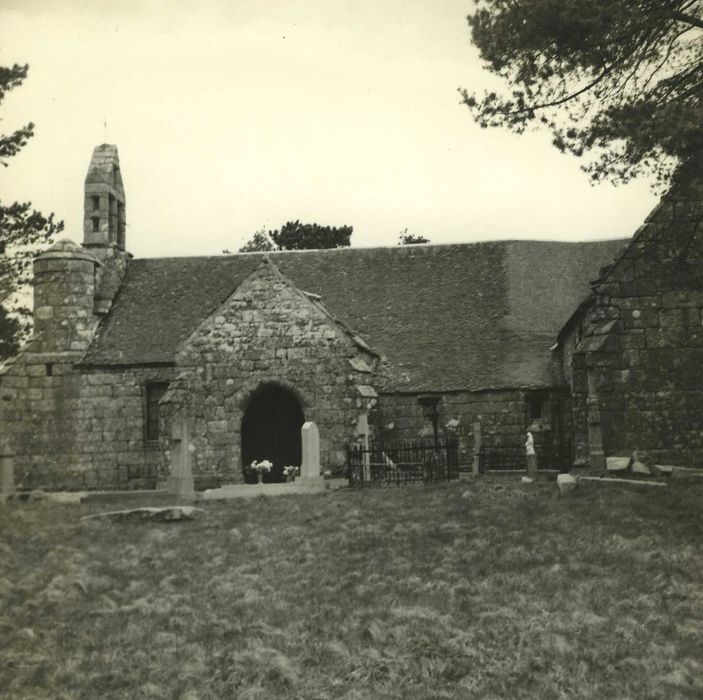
(271, 430)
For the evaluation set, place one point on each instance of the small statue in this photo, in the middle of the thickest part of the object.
(531, 456)
(530, 444)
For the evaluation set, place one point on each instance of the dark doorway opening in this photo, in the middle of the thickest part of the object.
(271, 430)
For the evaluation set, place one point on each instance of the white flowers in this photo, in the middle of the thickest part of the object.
(263, 466)
(290, 470)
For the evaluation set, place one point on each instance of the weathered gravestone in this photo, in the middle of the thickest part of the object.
(310, 468)
(180, 483)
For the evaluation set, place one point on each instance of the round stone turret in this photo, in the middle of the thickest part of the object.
(64, 291)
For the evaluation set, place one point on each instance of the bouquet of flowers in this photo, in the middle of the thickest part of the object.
(259, 468)
(290, 472)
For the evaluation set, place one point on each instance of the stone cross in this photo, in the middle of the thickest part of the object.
(310, 468)
(180, 483)
(478, 442)
(362, 431)
(7, 472)
(596, 455)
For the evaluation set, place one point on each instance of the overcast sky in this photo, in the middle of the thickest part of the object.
(230, 115)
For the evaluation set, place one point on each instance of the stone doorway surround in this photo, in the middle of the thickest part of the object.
(270, 430)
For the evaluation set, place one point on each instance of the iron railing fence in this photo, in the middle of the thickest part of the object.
(403, 462)
(513, 458)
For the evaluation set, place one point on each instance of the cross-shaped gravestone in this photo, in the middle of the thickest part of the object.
(180, 482)
(7, 471)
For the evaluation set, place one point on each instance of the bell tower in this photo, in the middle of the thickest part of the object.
(104, 208)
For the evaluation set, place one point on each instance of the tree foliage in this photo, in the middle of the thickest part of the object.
(22, 228)
(619, 80)
(405, 238)
(9, 332)
(296, 236)
(259, 242)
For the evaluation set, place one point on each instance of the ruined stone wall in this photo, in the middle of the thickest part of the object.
(642, 341)
(266, 332)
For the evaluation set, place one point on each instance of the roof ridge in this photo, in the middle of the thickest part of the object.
(399, 248)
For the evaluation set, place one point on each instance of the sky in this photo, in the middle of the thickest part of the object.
(233, 115)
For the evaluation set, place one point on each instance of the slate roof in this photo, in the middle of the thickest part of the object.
(446, 317)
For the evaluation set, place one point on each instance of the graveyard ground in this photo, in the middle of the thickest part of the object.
(416, 592)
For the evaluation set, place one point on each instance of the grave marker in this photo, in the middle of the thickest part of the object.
(7, 472)
(180, 483)
(310, 468)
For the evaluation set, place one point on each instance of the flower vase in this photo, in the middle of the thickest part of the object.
(260, 477)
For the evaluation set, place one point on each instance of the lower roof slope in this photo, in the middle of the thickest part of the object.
(467, 316)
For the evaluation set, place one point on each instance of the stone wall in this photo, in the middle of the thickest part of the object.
(638, 348)
(78, 428)
(504, 416)
(38, 410)
(69, 426)
(112, 440)
(267, 332)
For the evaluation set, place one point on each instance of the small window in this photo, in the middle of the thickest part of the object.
(49, 369)
(534, 405)
(154, 392)
(96, 224)
(537, 404)
(96, 203)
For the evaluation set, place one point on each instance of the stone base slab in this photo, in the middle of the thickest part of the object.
(310, 481)
(112, 496)
(254, 490)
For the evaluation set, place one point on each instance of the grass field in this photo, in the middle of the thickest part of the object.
(416, 592)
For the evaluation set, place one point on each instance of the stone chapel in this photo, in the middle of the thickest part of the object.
(595, 346)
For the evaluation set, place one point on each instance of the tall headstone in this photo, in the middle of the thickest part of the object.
(180, 483)
(310, 468)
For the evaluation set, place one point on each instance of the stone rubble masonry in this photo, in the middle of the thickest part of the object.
(80, 428)
(104, 187)
(641, 338)
(64, 292)
(267, 331)
(69, 426)
(503, 415)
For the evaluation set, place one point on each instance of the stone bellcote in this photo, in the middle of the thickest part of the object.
(104, 209)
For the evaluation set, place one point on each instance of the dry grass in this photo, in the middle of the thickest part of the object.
(415, 592)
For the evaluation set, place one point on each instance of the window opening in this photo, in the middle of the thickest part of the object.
(154, 393)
